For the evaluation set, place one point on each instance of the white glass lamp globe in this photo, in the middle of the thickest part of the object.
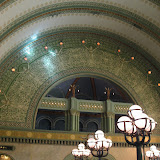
(109, 143)
(134, 110)
(81, 146)
(124, 123)
(75, 152)
(151, 125)
(91, 142)
(87, 152)
(99, 143)
(149, 154)
(156, 153)
(141, 121)
(133, 130)
(153, 148)
(99, 134)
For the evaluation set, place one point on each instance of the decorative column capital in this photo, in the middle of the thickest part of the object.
(74, 112)
(110, 114)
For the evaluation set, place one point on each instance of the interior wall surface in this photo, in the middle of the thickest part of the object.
(60, 152)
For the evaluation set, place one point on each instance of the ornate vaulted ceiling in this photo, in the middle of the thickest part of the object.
(50, 35)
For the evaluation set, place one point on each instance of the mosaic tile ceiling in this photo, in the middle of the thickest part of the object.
(43, 43)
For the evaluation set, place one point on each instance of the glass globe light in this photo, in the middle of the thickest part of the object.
(81, 146)
(141, 121)
(156, 153)
(99, 134)
(124, 123)
(99, 143)
(133, 130)
(91, 142)
(153, 148)
(134, 110)
(75, 152)
(151, 125)
(109, 143)
(87, 152)
(149, 154)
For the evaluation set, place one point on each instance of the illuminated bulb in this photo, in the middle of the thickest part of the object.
(134, 110)
(83, 41)
(61, 43)
(124, 124)
(119, 50)
(98, 43)
(141, 121)
(149, 154)
(153, 148)
(46, 47)
(91, 142)
(75, 152)
(25, 58)
(158, 84)
(149, 72)
(0, 90)
(13, 69)
(132, 58)
(151, 125)
(81, 146)
(99, 134)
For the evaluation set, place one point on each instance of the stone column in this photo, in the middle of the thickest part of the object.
(110, 116)
(110, 122)
(74, 120)
(104, 121)
(74, 115)
(67, 121)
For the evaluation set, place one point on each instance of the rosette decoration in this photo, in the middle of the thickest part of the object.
(137, 127)
(81, 152)
(98, 144)
(153, 154)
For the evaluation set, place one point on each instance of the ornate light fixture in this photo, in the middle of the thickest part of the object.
(137, 127)
(98, 144)
(153, 154)
(81, 152)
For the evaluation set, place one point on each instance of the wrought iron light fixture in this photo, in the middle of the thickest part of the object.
(98, 144)
(153, 154)
(81, 152)
(137, 127)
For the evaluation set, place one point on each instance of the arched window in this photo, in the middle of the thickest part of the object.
(44, 124)
(60, 125)
(81, 127)
(92, 127)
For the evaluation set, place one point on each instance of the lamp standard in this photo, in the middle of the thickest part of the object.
(153, 154)
(81, 152)
(98, 144)
(137, 127)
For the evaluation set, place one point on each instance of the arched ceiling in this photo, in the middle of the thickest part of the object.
(26, 27)
(138, 21)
